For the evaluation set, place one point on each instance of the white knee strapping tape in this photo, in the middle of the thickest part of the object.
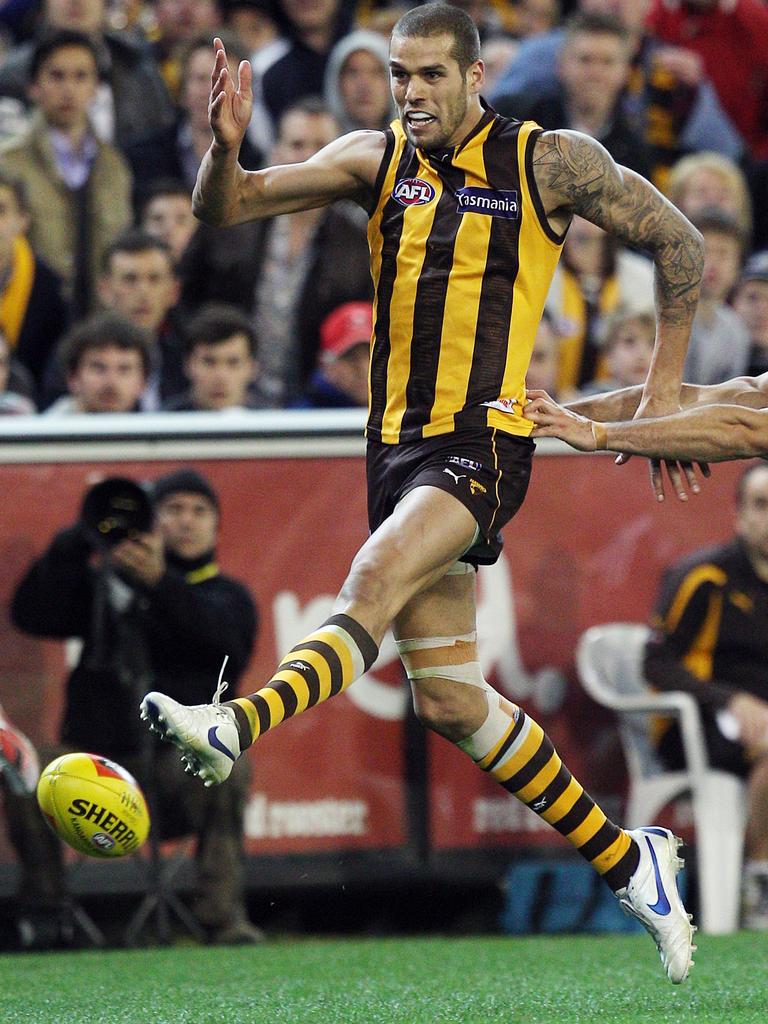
(470, 672)
(426, 643)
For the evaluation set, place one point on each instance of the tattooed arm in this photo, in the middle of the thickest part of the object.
(576, 175)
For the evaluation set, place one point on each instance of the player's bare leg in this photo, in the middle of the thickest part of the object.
(406, 554)
(436, 637)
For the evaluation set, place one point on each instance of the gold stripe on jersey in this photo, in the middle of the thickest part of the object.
(462, 300)
(537, 249)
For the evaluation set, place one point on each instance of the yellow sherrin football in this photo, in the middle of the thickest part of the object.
(94, 805)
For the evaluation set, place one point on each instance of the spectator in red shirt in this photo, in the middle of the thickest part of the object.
(731, 38)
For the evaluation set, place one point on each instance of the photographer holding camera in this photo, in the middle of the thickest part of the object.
(136, 579)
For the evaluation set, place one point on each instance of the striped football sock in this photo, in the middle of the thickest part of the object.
(515, 750)
(322, 665)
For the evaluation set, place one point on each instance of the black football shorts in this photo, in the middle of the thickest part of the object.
(486, 469)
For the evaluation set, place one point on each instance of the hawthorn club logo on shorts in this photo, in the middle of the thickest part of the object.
(413, 192)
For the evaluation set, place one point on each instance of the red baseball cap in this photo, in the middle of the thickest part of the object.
(348, 325)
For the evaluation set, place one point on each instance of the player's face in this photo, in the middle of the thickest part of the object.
(108, 379)
(188, 523)
(65, 87)
(220, 373)
(752, 515)
(432, 96)
(141, 286)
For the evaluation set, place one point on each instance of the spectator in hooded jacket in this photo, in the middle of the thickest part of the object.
(357, 82)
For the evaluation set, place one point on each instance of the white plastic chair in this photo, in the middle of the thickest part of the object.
(609, 660)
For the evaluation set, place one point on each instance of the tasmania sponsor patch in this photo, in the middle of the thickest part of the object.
(490, 201)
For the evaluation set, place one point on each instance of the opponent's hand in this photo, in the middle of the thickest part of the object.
(141, 558)
(229, 107)
(552, 420)
(681, 475)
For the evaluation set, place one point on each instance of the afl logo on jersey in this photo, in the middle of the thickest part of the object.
(413, 192)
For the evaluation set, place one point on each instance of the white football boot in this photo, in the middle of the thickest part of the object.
(206, 734)
(652, 897)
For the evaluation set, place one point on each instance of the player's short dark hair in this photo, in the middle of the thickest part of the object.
(216, 322)
(595, 23)
(741, 485)
(134, 241)
(18, 188)
(57, 39)
(436, 19)
(99, 331)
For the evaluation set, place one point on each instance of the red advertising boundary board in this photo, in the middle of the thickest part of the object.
(588, 547)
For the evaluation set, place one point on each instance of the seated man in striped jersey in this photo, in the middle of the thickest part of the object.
(468, 212)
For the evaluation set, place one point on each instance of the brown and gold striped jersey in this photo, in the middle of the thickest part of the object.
(462, 257)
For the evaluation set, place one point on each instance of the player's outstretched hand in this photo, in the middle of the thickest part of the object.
(229, 107)
(552, 420)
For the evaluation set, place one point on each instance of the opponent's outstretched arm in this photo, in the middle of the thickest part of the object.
(749, 392)
(226, 194)
(576, 175)
(705, 433)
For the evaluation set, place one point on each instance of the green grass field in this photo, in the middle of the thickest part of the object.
(391, 981)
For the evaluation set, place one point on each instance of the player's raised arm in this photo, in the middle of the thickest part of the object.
(225, 194)
(576, 175)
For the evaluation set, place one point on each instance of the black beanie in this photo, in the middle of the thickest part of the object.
(188, 481)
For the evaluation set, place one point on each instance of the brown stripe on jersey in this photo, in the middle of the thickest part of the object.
(391, 229)
(430, 302)
(489, 357)
(389, 149)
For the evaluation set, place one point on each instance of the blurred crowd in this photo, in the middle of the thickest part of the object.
(114, 299)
